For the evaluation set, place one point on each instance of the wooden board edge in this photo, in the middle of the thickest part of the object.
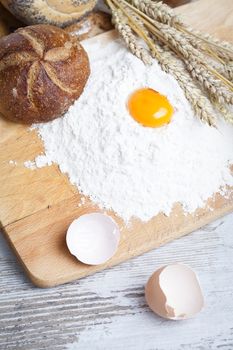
(48, 283)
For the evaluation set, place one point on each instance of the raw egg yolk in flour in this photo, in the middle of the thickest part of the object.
(149, 108)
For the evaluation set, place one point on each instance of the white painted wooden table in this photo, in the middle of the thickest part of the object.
(108, 310)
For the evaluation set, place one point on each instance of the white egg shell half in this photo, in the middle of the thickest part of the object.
(173, 292)
(93, 238)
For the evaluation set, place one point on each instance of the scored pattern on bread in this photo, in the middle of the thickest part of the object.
(54, 55)
(46, 64)
(32, 76)
(52, 75)
(36, 43)
(14, 59)
(58, 53)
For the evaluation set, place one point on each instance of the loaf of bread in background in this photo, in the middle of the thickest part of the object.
(57, 12)
(42, 71)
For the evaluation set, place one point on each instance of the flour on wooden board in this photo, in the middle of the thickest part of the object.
(121, 165)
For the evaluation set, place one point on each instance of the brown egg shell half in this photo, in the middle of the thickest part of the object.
(173, 292)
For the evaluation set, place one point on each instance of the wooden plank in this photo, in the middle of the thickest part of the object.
(23, 191)
(37, 206)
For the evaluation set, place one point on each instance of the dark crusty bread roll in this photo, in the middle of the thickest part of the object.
(57, 12)
(42, 71)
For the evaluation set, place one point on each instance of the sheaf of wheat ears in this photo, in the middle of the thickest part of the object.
(38, 59)
(151, 25)
(114, 5)
(164, 14)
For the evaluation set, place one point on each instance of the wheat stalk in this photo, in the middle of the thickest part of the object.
(197, 67)
(213, 86)
(136, 25)
(201, 64)
(164, 14)
(126, 32)
(158, 11)
(130, 39)
(224, 49)
(224, 110)
(200, 103)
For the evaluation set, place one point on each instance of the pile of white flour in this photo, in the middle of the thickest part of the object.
(121, 165)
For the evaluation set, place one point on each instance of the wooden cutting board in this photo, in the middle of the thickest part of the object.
(37, 206)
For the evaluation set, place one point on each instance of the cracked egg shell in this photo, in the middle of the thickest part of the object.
(93, 238)
(173, 292)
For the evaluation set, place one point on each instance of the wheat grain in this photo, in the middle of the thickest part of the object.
(214, 86)
(129, 38)
(222, 48)
(199, 102)
(194, 63)
(158, 11)
(225, 112)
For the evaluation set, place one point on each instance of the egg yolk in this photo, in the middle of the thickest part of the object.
(149, 108)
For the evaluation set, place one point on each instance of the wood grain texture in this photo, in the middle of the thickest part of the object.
(37, 206)
(44, 245)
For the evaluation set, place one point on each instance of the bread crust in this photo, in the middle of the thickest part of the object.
(42, 71)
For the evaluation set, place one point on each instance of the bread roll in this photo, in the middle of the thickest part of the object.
(42, 71)
(56, 12)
